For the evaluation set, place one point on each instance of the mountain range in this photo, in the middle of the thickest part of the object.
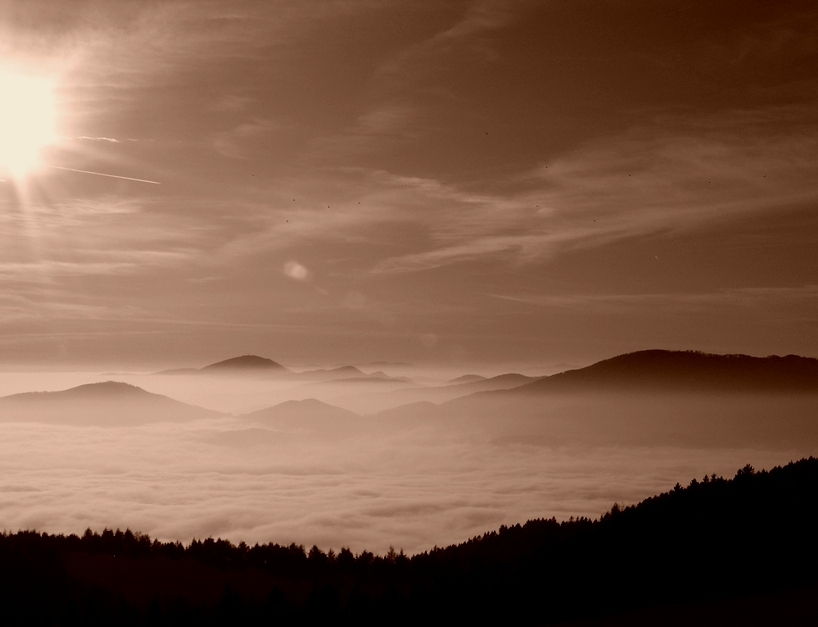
(682, 371)
(466, 400)
(657, 398)
(457, 388)
(255, 366)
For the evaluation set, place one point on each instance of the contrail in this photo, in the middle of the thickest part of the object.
(113, 176)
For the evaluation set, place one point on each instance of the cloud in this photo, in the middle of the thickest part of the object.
(483, 139)
(755, 299)
(374, 130)
(242, 141)
(336, 206)
(93, 235)
(474, 249)
(233, 103)
(100, 139)
(63, 268)
(648, 180)
(482, 16)
(296, 271)
(410, 490)
(68, 260)
(670, 175)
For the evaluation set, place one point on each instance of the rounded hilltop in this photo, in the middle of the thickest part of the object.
(245, 362)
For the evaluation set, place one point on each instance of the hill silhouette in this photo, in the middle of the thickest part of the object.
(309, 415)
(346, 374)
(244, 363)
(719, 551)
(451, 390)
(650, 372)
(110, 403)
(500, 382)
(467, 378)
(329, 374)
(662, 370)
(651, 398)
(373, 378)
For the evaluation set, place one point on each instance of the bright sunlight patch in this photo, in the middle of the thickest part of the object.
(27, 121)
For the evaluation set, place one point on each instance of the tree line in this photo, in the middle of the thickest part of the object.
(751, 535)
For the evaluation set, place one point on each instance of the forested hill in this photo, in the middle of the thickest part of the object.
(746, 542)
(686, 371)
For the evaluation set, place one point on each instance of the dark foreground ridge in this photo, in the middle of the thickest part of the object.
(738, 551)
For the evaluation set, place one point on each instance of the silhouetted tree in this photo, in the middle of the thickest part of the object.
(689, 545)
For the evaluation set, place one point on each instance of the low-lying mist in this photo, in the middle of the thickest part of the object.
(412, 477)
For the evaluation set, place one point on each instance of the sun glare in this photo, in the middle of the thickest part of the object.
(27, 121)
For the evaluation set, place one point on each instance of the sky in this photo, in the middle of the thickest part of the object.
(460, 182)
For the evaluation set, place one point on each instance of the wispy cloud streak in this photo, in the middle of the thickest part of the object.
(113, 176)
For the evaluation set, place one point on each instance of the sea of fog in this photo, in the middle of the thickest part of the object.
(412, 486)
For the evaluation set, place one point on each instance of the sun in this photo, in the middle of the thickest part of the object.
(27, 121)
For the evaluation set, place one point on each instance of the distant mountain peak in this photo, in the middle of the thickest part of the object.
(108, 388)
(345, 369)
(89, 391)
(109, 403)
(309, 413)
(307, 403)
(467, 378)
(697, 361)
(245, 362)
